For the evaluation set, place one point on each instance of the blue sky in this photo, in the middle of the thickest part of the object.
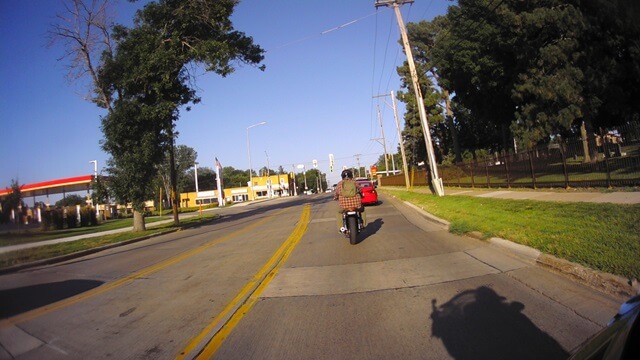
(316, 93)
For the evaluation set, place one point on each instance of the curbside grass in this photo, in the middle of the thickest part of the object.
(604, 237)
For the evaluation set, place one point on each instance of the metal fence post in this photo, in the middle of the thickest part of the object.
(506, 168)
(533, 174)
(607, 155)
(564, 166)
(486, 169)
(473, 180)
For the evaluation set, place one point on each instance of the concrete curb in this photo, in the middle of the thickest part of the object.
(604, 282)
(429, 216)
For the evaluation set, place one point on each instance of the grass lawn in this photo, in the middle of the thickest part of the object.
(605, 237)
(36, 234)
(50, 251)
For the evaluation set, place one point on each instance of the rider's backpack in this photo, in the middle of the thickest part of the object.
(349, 189)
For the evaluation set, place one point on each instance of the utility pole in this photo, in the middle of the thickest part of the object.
(358, 160)
(405, 167)
(384, 144)
(436, 181)
(269, 187)
(295, 188)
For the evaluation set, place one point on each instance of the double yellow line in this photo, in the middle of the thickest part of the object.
(220, 328)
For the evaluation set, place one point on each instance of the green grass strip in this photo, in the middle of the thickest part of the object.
(36, 234)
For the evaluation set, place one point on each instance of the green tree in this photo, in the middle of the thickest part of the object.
(533, 69)
(72, 200)
(100, 194)
(312, 176)
(412, 134)
(11, 201)
(264, 171)
(423, 36)
(232, 177)
(185, 158)
(206, 180)
(476, 59)
(148, 76)
(393, 159)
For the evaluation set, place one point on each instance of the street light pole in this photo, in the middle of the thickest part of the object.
(253, 195)
(95, 178)
(196, 175)
(269, 187)
(295, 187)
(304, 174)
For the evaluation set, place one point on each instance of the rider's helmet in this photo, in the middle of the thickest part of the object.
(347, 174)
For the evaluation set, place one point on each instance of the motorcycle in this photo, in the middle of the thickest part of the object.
(352, 223)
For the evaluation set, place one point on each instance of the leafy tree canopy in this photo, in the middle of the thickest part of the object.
(72, 200)
(148, 77)
(531, 69)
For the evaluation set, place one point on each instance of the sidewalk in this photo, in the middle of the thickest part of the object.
(615, 197)
(622, 197)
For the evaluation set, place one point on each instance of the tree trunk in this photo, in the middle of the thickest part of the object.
(452, 128)
(585, 143)
(138, 221)
(589, 145)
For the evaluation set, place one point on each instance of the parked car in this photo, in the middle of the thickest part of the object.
(370, 195)
(620, 339)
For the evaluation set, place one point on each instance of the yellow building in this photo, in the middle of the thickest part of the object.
(270, 187)
(263, 186)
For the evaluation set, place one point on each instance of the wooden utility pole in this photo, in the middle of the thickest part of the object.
(436, 181)
(384, 144)
(405, 168)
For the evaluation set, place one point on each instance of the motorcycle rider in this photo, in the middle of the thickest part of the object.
(345, 203)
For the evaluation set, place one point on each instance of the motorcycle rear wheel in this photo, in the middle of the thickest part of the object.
(352, 225)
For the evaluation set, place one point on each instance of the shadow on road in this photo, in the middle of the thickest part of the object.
(480, 324)
(19, 300)
(370, 229)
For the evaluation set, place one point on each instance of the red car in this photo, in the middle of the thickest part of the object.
(370, 196)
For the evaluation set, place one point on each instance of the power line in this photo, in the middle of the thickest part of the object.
(323, 32)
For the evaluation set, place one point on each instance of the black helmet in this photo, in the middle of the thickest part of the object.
(347, 174)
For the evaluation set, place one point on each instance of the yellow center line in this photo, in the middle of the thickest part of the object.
(35, 313)
(225, 322)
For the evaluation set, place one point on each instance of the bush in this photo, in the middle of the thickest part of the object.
(72, 217)
(57, 218)
(85, 216)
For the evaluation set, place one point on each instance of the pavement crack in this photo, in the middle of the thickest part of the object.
(482, 261)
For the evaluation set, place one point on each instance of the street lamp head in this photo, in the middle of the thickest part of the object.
(258, 124)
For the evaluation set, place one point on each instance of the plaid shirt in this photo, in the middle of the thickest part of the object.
(348, 202)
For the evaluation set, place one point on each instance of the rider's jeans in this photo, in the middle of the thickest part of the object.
(339, 217)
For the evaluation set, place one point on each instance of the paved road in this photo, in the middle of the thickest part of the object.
(409, 289)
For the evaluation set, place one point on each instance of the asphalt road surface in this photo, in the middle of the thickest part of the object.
(275, 280)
